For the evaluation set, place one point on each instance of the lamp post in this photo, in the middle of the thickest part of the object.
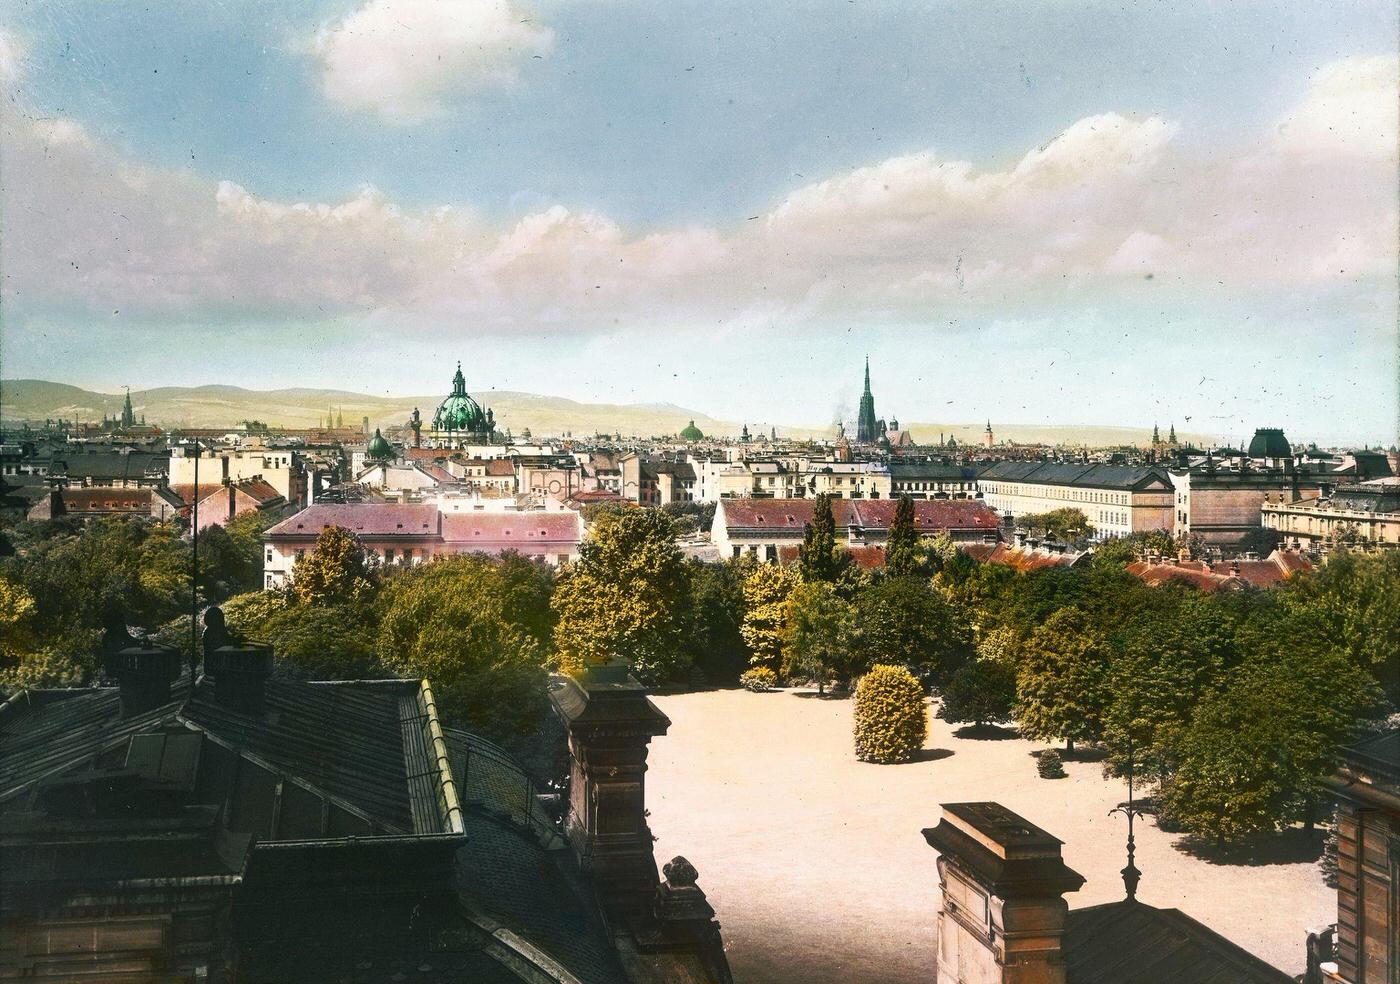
(1131, 874)
(194, 566)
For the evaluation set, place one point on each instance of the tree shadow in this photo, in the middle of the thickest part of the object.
(1081, 754)
(986, 732)
(1293, 846)
(931, 754)
(813, 695)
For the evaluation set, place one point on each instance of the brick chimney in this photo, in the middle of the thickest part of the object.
(239, 668)
(143, 670)
(610, 721)
(1003, 883)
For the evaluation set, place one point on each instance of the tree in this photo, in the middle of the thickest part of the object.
(818, 554)
(336, 572)
(1127, 549)
(1061, 524)
(982, 692)
(1258, 746)
(28, 658)
(766, 590)
(451, 622)
(891, 716)
(902, 620)
(1353, 595)
(905, 555)
(816, 633)
(1061, 688)
(717, 609)
(625, 597)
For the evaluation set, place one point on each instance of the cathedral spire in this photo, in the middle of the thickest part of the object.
(867, 427)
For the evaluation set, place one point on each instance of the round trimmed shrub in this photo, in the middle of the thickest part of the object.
(891, 717)
(760, 680)
(1050, 765)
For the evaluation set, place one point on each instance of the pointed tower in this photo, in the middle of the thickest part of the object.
(867, 427)
(1156, 435)
(988, 439)
(1171, 435)
(128, 414)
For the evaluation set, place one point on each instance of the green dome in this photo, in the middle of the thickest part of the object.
(459, 412)
(379, 447)
(692, 433)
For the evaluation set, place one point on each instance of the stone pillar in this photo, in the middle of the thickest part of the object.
(610, 722)
(1003, 882)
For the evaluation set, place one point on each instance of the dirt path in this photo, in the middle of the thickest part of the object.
(819, 872)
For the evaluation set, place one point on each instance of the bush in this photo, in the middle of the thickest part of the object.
(760, 680)
(1050, 765)
(891, 719)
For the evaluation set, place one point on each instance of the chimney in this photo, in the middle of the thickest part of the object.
(1019, 535)
(1003, 883)
(610, 722)
(143, 670)
(239, 668)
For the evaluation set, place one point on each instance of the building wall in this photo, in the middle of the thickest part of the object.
(1223, 509)
(1306, 524)
(280, 468)
(1368, 858)
(1113, 511)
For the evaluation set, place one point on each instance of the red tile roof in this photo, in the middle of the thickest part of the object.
(363, 519)
(930, 515)
(512, 529)
(1279, 566)
(258, 489)
(1026, 559)
(104, 499)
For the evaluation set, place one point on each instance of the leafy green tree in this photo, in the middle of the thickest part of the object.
(816, 634)
(818, 555)
(625, 597)
(450, 622)
(982, 692)
(902, 620)
(1061, 690)
(1353, 596)
(28, 658)
(1258, 747)
(766, 590)
(1127, 549)
(1061, 524)
(247, 614)
(905, 555)
(336, 572)
(717, 609)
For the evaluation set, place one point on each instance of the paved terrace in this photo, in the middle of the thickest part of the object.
(817, 869)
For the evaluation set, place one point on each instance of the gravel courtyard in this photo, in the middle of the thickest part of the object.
(818, 870)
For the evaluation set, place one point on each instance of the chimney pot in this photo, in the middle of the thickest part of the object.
(239, 668)
(143, 671)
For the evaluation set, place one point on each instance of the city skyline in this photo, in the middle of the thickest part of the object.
(1091, 217)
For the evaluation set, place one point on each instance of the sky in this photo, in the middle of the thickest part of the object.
(1077, 213)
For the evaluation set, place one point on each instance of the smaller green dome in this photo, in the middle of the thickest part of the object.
(379, 447)
(692, 433)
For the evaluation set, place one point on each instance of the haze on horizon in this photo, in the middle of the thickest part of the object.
(1078, 214)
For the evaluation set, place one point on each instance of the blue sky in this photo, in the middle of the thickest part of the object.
(613, 199)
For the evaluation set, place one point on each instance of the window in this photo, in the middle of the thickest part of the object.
(388, 555)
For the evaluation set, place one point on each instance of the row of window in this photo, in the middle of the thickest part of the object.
(1059, 492)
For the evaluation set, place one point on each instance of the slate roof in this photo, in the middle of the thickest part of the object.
(1130, 942)
(109, 465)
(360, 745)
(1079, 475)
(930, 471)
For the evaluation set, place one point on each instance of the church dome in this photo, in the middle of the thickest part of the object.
(692, 433)
(459, 412)
(379, 447)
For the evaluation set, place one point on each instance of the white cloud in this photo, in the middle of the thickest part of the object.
(411, 60)
(1352, 107)
(11, 58)
(915, 238)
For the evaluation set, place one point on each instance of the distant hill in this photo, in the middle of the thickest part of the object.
(35, 400)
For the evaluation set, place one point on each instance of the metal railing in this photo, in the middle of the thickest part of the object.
(490, 779)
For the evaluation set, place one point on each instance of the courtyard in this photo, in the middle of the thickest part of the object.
(818, 871)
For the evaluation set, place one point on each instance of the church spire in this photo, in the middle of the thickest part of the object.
(128, 414)
(867, 427)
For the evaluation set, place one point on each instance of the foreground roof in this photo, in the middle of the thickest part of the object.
(1130, 942)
